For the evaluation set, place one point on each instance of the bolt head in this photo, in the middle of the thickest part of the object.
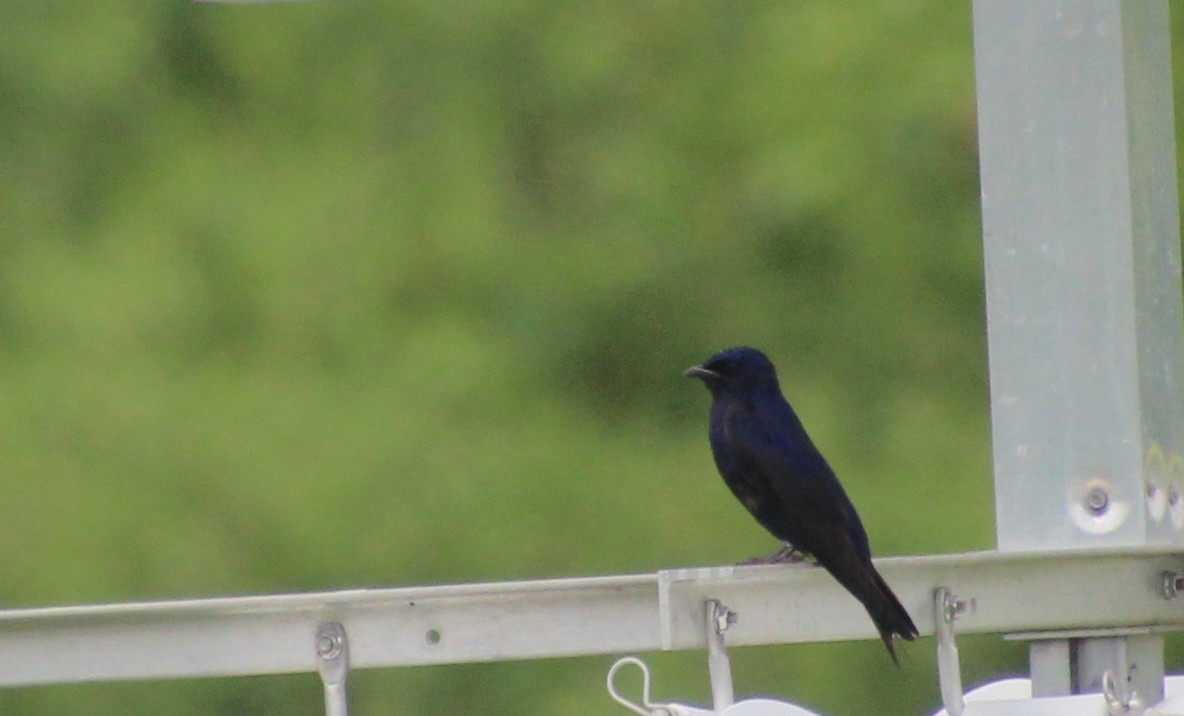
(328, 645)
(1097, 501)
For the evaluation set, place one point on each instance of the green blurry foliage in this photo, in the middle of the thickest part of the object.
(319, 295)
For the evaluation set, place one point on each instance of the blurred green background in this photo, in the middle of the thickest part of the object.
(308, 296)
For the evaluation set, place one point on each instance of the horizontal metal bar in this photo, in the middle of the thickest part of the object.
(1013, 592)
(567, 617)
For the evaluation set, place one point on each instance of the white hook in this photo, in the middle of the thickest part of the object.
(646, 708)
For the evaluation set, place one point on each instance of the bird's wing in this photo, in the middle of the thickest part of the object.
(766, 451)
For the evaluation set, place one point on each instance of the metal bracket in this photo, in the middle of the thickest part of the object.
(719, 666)
(947, 607)
(332, 650)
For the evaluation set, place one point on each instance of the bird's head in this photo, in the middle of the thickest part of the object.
(736, 370)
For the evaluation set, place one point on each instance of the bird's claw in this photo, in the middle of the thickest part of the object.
(786, 555)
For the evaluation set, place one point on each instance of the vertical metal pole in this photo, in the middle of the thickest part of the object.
(1082, 253)
(1049, 667)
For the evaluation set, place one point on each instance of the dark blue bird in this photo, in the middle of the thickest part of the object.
(771, 465)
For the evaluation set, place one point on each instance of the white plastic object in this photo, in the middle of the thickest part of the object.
(766, 707)
(1013, 697)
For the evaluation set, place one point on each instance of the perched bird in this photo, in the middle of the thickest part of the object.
(770, 464)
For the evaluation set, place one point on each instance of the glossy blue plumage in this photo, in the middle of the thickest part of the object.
(770, 464)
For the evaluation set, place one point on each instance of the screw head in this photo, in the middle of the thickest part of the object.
(328, 645)
(1097, 501)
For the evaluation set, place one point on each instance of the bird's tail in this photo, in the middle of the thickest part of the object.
(887, 613)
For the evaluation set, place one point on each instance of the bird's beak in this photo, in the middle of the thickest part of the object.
(698, 371)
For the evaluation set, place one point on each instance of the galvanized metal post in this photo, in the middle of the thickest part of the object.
(1082, 252)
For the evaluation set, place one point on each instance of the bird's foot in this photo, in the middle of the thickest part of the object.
(786, 555)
